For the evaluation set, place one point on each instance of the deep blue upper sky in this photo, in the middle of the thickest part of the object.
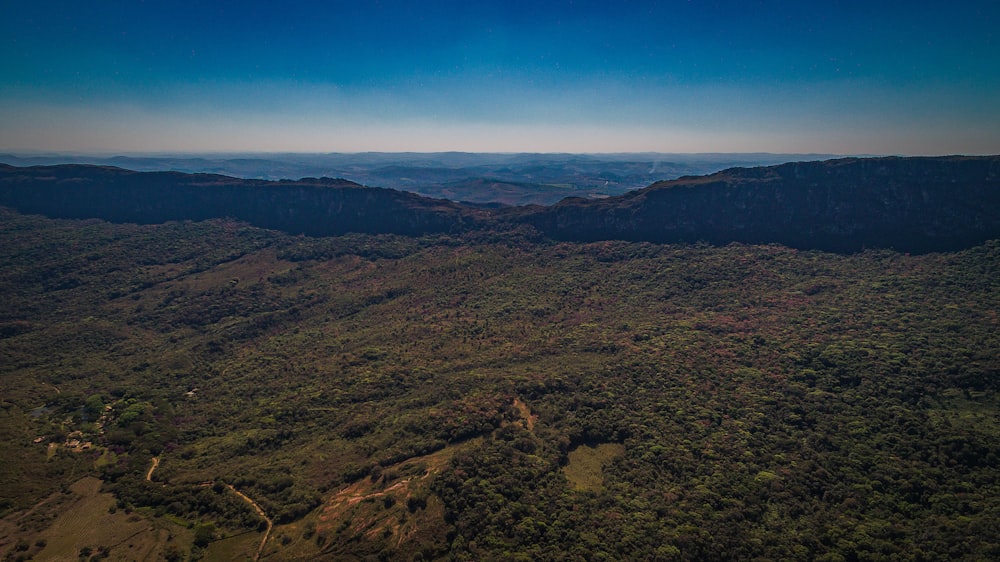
(681, 76)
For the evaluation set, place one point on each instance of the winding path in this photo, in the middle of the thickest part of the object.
(156, 463)
(246, 498)
(260, 511)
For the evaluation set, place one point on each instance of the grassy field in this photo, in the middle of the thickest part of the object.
(238, 548)
(86, 520)
(586, 465)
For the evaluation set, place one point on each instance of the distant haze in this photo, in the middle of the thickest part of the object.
(841, 77)
(511, 178)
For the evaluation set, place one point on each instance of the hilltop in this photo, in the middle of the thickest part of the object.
(313, 206)
(910, 204)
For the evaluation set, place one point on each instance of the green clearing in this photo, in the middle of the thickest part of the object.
(86, 518)
(240, 547)
(586, 464)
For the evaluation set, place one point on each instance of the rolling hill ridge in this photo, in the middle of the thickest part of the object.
(845, 205)
(318, 207)
(909, 204)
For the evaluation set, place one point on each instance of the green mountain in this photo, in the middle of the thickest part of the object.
(187, 376)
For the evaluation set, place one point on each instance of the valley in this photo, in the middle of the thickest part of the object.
(495, 391)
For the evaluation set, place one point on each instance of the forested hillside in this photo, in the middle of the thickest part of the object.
(214, 390)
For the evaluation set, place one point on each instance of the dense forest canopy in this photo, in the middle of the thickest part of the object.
(208, 388)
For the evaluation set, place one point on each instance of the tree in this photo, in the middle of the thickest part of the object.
(203, 534)
(94, 406)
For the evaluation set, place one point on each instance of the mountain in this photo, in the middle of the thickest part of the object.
(910, 204)
(845, 205)
(546, 178)
(211, 390)
(484, 191)
(310, 206)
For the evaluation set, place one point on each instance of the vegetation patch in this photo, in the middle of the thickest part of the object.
(86, 520)
(238, 547)
(586, 465)
(404, 397)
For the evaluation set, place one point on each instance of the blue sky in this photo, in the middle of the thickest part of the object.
(567, 76)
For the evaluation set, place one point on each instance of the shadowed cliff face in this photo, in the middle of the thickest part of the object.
(318, 207)
(908, 204)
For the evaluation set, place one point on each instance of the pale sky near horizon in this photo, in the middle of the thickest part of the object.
(844, 77)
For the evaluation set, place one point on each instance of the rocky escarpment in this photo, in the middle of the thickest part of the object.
(909, 204)
(310, 206)
(845, 205)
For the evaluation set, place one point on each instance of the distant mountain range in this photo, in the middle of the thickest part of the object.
(511, 179)
(844, 205)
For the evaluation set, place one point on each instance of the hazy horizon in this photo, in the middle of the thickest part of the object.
(910, 78)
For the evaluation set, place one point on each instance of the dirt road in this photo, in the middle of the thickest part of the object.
(260, 511)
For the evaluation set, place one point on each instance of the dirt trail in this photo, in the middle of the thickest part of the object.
(529, 419)
(260, 511)
(156, 463)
